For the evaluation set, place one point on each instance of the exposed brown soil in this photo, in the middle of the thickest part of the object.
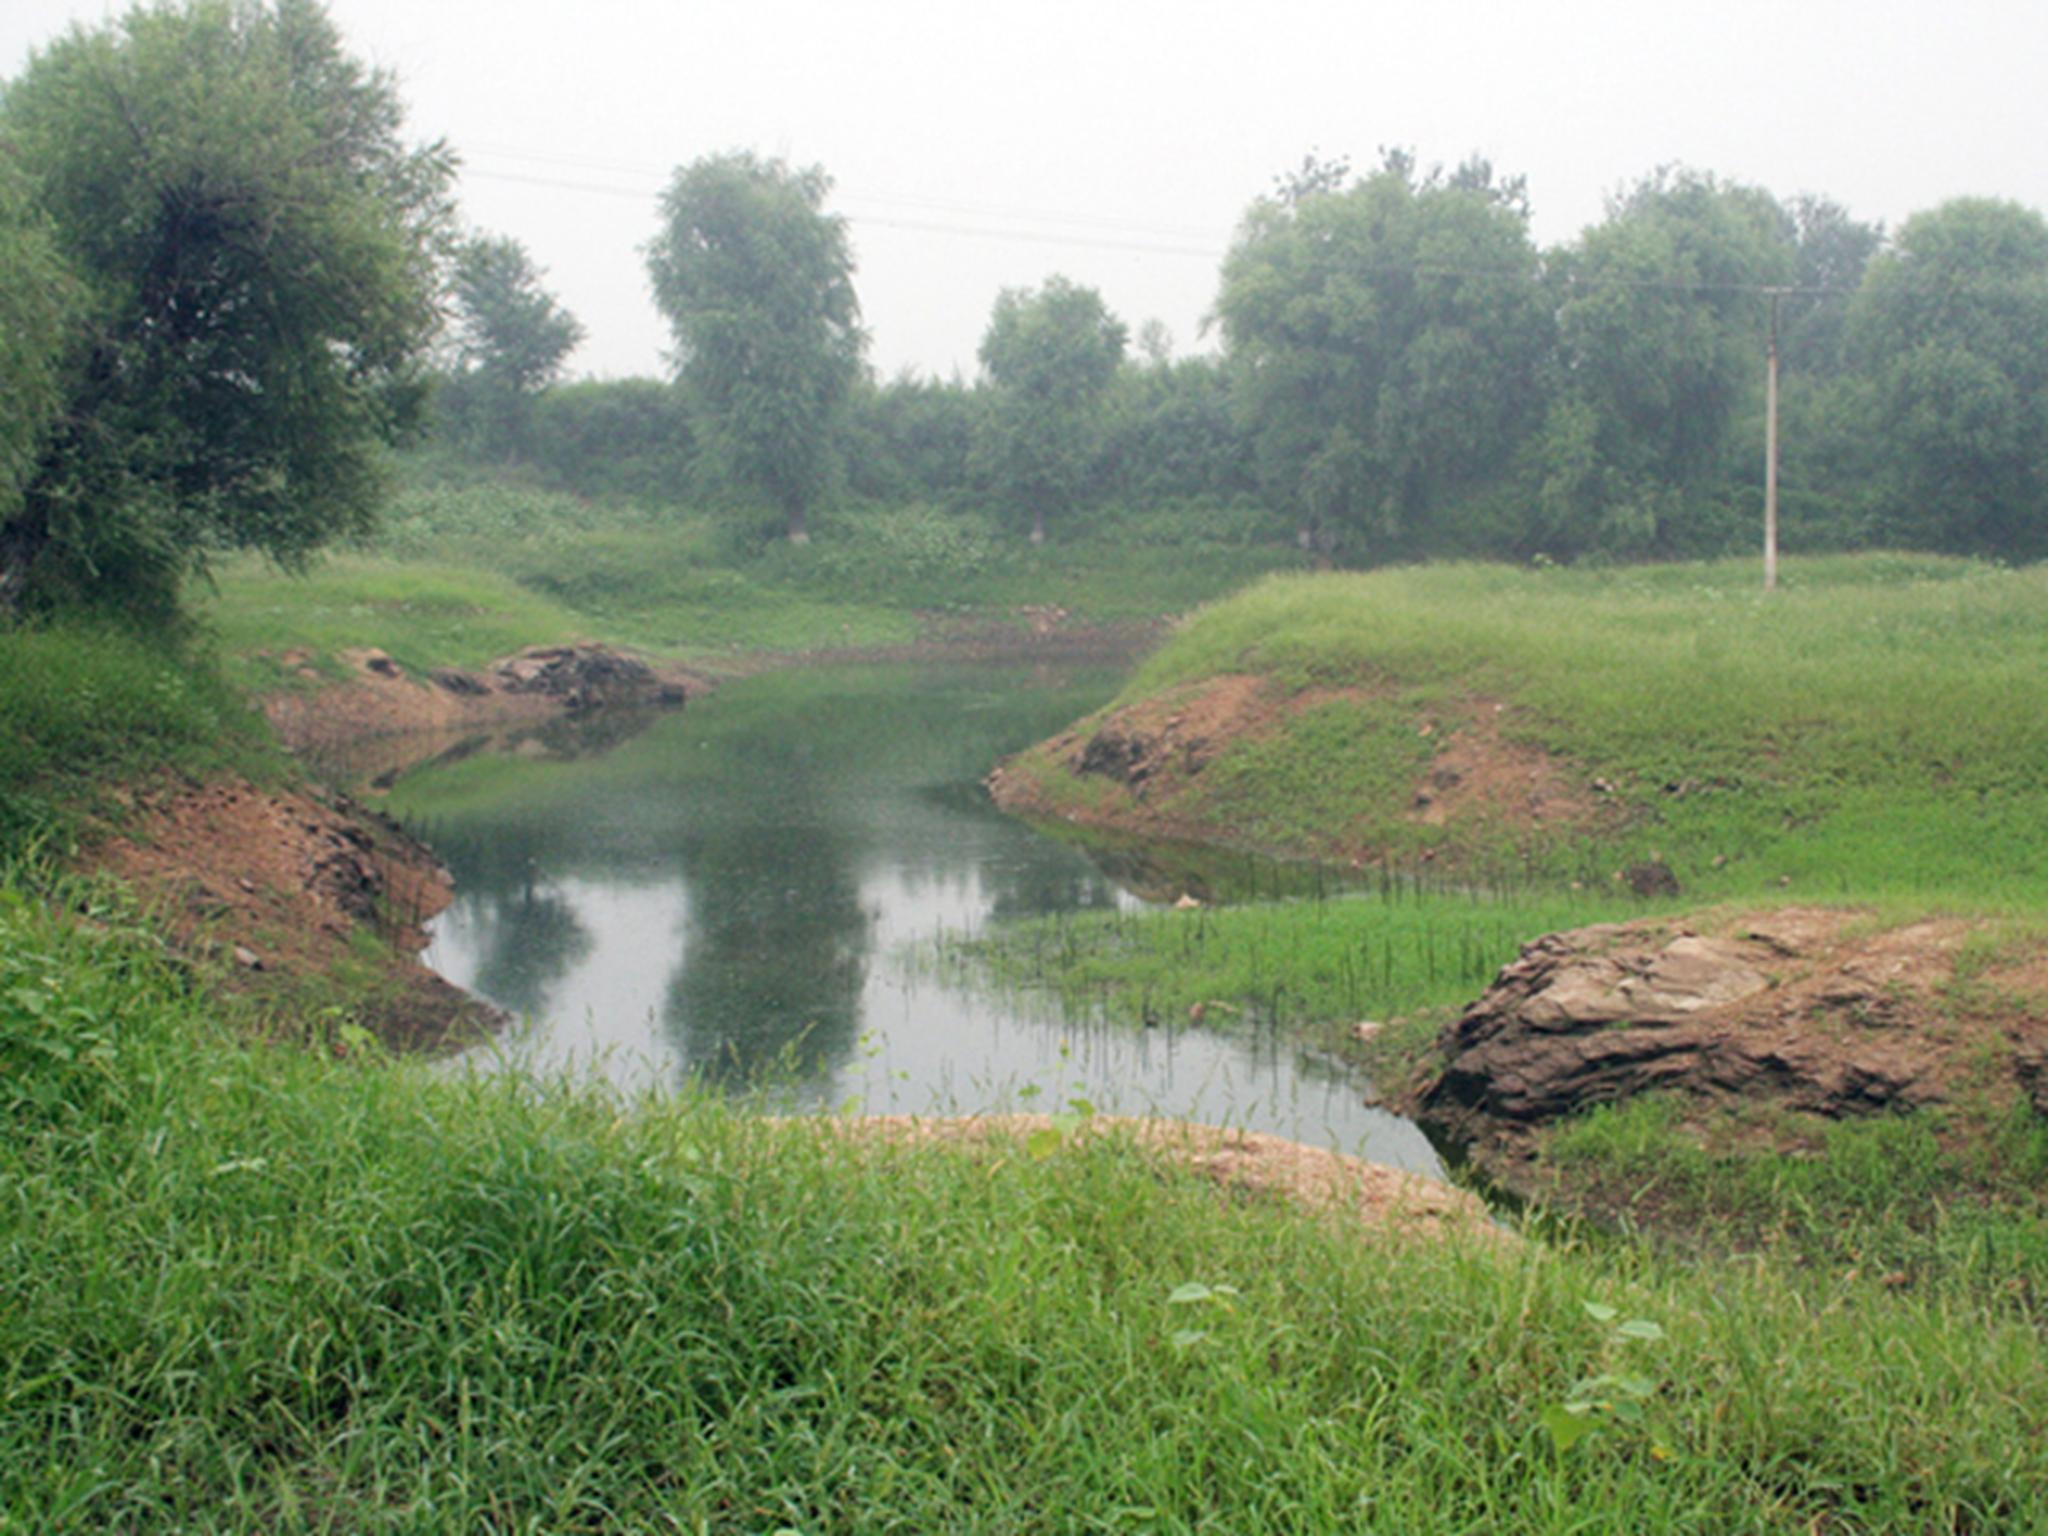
(1480, 773)
(1127, 771)
(537, 684)
(296, 895)
(1810, 1011)
(276, 889)
(1381, 1199)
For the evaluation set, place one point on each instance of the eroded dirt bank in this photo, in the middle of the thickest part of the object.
(1765, 1024)
(301, 898)
(311, 901)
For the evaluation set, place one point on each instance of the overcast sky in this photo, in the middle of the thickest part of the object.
(983, 146)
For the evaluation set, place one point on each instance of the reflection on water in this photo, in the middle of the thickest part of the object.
(732, 892)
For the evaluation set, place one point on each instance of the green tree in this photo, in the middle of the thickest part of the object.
(756, 281)
(1050, 354)
(257, 250)
(625, 438)
(38, 304)
(1388, 339)
(1661, 326)
(1951, 331)
(1175, 437)
(511, 340)
(912, 439)
(1834, 251)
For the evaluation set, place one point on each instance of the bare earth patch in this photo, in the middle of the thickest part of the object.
(1380, 1199)
(539, 683)
(1482, 773)
(277, 888)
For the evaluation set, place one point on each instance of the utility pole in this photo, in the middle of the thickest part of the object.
(1771, 451)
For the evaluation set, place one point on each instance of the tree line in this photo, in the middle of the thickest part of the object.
(229, 285)
(1402, 374)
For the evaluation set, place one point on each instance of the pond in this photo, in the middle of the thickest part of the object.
(749, 892)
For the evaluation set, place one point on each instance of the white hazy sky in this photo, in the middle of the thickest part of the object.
(983, 146)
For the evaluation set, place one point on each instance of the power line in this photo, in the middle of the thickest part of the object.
(895, 199)
(1992, 286)
(923, 226)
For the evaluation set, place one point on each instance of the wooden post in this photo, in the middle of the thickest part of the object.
(1771, 454)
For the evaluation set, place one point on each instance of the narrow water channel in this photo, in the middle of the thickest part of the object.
(747, 892)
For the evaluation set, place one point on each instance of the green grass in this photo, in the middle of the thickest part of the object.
(424, 615)
(469, 569)
(83, 709)
(1317, 965)
(1879, 726)
(1902, 1197)
(250, 1289)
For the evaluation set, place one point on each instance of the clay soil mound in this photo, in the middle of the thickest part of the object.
(1380, 1199)
(1814, 1011)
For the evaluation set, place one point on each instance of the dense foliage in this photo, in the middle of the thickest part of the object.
(1404, 375)
(511, 339)
(254, 248)
(1051, 354)
(756, 282)
(1387, 341)
(224, 269)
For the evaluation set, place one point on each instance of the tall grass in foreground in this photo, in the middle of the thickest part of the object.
(245, 1289)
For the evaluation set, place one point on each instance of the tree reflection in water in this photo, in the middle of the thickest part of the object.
(768, 990)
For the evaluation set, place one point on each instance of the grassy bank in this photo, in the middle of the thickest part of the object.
(284, 1290)
(1874, 734)
(85, 710)
(466, 570)
(1875, 727)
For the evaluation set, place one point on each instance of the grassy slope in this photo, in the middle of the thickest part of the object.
(1877, 732)
(1878, 727)
(260, 1290)
(467, 572)
(85, 709)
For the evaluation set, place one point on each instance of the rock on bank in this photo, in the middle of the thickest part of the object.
(1814, 1011)
(381, 697)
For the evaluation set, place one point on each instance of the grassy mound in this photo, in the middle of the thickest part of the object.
(1878, 727)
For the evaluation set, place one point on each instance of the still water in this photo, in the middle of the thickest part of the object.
(749, 891)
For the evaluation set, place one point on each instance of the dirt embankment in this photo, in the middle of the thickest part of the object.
(541, 683)
(298, 898)
(1784, 1020)
(307, 899)
(1138, 770)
